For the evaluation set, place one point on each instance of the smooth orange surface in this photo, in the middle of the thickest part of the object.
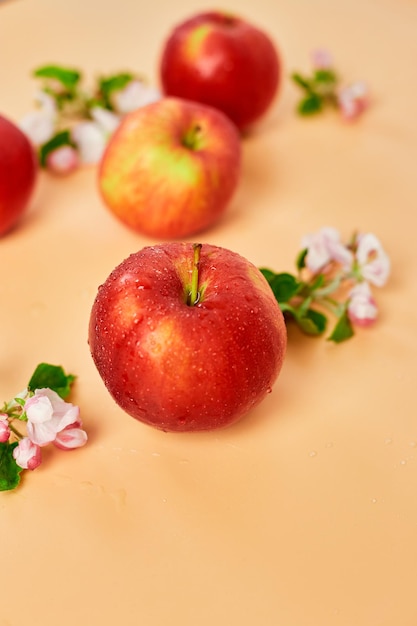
(304, 513)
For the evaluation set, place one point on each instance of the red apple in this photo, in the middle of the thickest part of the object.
(187, 341)
(18, 172)
(171, 168)
(224, 61)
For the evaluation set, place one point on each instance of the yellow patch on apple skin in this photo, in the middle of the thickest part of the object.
(158, 340)
(195, 41)
(164, 345)
(126, 310)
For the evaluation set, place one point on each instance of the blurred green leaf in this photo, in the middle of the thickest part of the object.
(69, 78)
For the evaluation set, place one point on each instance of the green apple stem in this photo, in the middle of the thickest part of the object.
(194, 294)
(192, 138)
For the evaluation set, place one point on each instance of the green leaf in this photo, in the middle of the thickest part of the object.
(343, 329)
(269, 274)
(284, 286)
(312, 322)
(62, 138)
(52, 377)
(113, 83)
(9, 469)
(325, 77)
(311, 104)
(301, 81)
(301, 259)
(304, 307)
(69, 78)
(317, 282)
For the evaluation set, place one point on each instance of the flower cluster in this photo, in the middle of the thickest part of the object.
(48, 418)
(334, 276)
(323, 88)
(70, 126)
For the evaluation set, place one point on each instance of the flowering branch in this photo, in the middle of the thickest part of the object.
(332, 277)
(71, 125)
(324, 89)
(41, 410)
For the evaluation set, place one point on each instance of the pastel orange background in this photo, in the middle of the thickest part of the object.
(304, 513)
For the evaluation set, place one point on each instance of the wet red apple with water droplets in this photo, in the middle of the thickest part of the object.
(187, 337)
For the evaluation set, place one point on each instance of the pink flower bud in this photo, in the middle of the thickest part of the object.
(353, 100)
(71, 437)
(27, 454)
(4, 428)
(362, 309)
(322, 59)
(63, 160)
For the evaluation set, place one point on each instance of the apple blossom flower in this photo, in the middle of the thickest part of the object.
(353, 100)
(63, 160)
(136, 94)
(321, 59)
(91, 136)
(323, 247)
(71, 437)
(27, 454)
(4, 428)
(48, 415)
(90, 140)
(39, 125)
(362, 309)
(372, 260)
(107, 120)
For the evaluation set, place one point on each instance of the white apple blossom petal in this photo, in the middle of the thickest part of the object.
(374, 263)
(136, 94)
(46, 102)
(47, 415)
(107, 120)
(323, 247)
(39, 409)
(38, 126)
(91, 141)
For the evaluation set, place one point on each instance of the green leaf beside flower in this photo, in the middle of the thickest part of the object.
(69, 78)
(9, 470)
(52, 377)
(343, 329)
(62, 138)
(284, 286)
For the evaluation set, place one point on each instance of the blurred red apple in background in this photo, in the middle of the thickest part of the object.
(171, 168)
(222, 60)
(18, 172)
(187, 341)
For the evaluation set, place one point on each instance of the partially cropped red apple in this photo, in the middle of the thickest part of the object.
(18, 172)
(171, 168)
(224, 61)
(187, 337)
